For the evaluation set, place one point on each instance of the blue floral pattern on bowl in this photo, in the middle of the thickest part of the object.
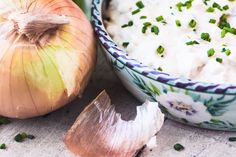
(200, 104)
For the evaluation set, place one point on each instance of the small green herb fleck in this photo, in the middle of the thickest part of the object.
(159, 18)
(3, 146)
(143, 17)
(4, 121)
(226, 7)
(178, 23)
(232, 139)
(192, 23)
(22, 136)
(155, 30)
(206, 37)
(129, 24)
(219, 60)
(216, 5)
(210, 10)
(211, 52)
(213, 21)
(140, 4)
(125, 44)
(160, 49)
(194, 42)
(135, 11)
(160, 69)
(178, 147)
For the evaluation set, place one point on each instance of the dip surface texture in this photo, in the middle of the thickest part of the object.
(194, 39)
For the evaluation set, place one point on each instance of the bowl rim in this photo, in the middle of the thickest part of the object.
(120, 55)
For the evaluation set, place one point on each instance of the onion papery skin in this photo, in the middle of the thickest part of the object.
(39, 77)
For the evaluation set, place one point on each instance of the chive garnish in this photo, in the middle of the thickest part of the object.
(206, 37)
(3, 146)
(192, 23)
(129, 24)
(178, 23)
(213, 21)
(125, 44)
(232, 139)
(135, 11)
(216, 5)
(155, 30)
(143, 17)
(22, 136)
(226, 7)
(219, 60)
(194, 42)
(178, 147)
(160, 69)
(4, 121)
(210, 10)
(227, 52)
(140, 4)
(159, 18)
(211, 52)
(160, 49)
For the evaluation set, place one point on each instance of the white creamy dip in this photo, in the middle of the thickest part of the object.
(195, 62)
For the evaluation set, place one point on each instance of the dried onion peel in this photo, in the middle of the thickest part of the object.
(100, 132)
(47, 55)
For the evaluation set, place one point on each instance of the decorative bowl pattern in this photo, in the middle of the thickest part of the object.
(200, 104)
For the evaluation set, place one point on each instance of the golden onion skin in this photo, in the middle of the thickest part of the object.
(41, 76)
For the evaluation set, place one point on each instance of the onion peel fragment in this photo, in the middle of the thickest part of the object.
(99, 130)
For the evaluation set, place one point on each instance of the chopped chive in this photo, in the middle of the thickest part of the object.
(179, 6)
(140, 4)
(219, 60)
(194, 42)
(155, 30)
(178, 23)
(178, 147)
(4, 121)
(159, 18)
(232, 139)
(210, 10)
(211, 52)
(216, 5)
(135, 11)
(226, 7)
(223, 33)
(160, 49)
(143, 17)
(213, 21)
(227, 52)
(230, 30)
(223, 22)
(160, 69)
(22, 136)
(206, 37)
(3, 146)
(147, 24)
(125, 44)
(129, 24)
(192, 23)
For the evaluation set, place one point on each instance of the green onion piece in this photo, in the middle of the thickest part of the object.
(159, 18)
(227, 52)
(210, 10)
(211, 52)
(125, 44)
(178, 23)
(223, 33)
(194, 42)
(192, 23)
(230, 30)
(178, 147)
(206, 37)
(219, 60)
(160, 49)
(3, 146)
(226, 7)
(160, 69)
(155, 30)
(232, 139)
(213, 21)
(216, 5)
(179, 6)
(129, 24)
(4, 121)
(135, 11)
(143, 17)
(140, 4)
(223, 22)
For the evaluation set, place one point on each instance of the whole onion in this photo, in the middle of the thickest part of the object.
(47, 54)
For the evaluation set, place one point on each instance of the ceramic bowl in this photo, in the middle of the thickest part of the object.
(200, 104)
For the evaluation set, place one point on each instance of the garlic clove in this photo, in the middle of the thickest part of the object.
(100, 131)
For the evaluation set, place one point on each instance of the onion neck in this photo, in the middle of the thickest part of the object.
(35, 26)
